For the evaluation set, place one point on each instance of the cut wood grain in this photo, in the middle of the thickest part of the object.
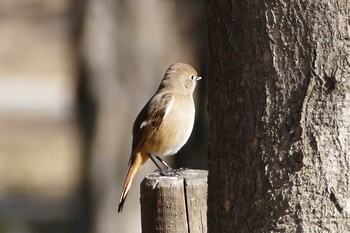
(176, 202)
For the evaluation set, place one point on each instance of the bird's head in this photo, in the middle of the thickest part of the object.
(180, 77)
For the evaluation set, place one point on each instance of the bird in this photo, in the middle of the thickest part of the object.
(164, 124)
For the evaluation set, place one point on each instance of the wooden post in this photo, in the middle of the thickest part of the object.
(174, 203)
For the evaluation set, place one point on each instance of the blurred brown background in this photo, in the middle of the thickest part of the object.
(73, 76)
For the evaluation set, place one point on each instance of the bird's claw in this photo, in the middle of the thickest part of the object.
(170, 171)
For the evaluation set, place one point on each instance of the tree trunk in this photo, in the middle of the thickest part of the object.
(279, 110)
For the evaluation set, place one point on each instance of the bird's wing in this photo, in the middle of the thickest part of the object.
(150, 118)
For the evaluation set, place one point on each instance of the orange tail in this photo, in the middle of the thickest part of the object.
(136, 163)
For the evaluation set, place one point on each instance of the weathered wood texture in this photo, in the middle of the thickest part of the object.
(279, 110)
(175, 203)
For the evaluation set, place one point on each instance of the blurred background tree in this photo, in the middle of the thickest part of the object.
(73, 76)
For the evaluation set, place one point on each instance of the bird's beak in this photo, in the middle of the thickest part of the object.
(198, 78)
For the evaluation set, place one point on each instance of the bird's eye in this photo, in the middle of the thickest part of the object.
(193, 77)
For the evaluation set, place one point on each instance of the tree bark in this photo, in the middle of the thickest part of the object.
(279, 110)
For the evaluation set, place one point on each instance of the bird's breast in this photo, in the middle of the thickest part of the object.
(175, 129)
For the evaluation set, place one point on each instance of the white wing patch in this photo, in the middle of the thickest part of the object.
(143, 124)
(168, 107)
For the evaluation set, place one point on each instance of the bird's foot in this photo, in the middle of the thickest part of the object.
(171, 172)
(168, 172)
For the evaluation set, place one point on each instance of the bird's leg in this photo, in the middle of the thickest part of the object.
(168, 171)
(154, 161)
(164, 172)
(164, 163)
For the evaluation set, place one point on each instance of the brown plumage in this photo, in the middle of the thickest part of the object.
(165, 123)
